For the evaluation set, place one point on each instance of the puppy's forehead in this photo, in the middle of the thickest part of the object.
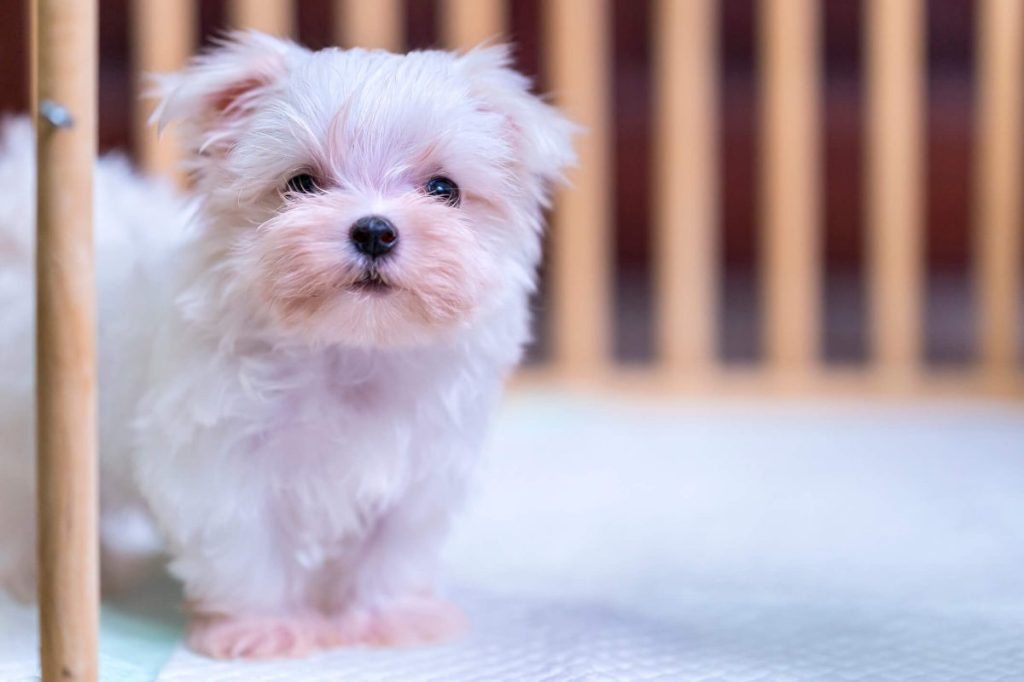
(378, 104)
(377, 121)
(361, 75)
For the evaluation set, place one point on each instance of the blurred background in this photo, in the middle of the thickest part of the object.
(946, 331)
(800, 197)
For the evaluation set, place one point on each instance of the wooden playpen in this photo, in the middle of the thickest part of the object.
(576, 48)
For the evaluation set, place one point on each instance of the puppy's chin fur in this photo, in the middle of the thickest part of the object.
(297, 419)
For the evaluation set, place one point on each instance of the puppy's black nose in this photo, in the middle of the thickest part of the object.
(373, 235)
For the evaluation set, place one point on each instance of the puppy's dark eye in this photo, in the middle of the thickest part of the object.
(443, 188)
(303, 183)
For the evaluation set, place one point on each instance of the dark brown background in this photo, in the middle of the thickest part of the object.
(950, 27)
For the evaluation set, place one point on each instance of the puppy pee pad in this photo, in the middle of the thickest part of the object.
(639, 540)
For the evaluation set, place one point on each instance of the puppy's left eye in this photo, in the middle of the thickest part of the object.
(303, 183)
(443, 188)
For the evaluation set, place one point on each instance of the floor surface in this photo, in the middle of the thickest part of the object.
(688, 541)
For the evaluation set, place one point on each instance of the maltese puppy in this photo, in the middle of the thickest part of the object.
(297, 367)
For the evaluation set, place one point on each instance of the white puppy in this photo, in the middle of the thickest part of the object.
(295, 387)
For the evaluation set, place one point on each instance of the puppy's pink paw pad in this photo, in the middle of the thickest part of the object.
(255, 638)
(409, 622)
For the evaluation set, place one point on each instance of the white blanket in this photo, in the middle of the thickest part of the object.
(727, 542)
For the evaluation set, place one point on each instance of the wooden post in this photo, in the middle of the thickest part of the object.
(686, 171)
(373, 25)
(790, 183)
(894, 50)
(576, 46)
(998, 184)
(467, 23)
(163, 37)
(276, 17)
(66, 54)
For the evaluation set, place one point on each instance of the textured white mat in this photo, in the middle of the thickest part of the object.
(532, 641)
(714, 542)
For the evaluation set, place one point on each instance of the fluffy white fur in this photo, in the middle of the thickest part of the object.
(300, 442)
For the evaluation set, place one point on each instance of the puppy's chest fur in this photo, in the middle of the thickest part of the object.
(317, 446)
(337, 450)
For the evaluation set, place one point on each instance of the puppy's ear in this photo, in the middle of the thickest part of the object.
(214, 95)
(540, 133)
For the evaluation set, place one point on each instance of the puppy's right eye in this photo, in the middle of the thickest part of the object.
(303, 183)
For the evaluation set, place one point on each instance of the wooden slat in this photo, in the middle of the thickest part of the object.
(276, 17)
(686, 171)
(66, 59)
(894, 49)
(998, 181)
(468, 23)
(790, 182)
(374, 25)
(33, 62)
(577, 49)
(163, 37)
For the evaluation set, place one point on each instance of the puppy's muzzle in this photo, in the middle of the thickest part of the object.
(373, 236)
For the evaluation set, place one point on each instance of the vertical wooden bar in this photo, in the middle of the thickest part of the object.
(163, 37)
(790, 182)
(66, 54)
(468, 23)
(576, 47)
(895, 85)
(373, 25)
(998, 182)
(276, 17)
(686, 176)
(33, 61)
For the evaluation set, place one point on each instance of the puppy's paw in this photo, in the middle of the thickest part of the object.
(411, 621)
(258, 638)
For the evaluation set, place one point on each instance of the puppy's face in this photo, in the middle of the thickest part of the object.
(366, 198)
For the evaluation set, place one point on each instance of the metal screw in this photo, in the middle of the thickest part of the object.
(55, 114)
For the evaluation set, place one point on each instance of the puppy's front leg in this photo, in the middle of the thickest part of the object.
(246, 594)
(389, 599)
